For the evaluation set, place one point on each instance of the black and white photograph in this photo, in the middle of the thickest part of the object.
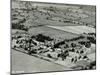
(52, 37)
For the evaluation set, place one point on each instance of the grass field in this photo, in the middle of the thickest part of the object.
(23, 63)
(57, 21)
(75, 29)
(52, 32)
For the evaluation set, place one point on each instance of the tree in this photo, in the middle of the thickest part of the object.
(19, 36)
(82, 42)
(92, 39)
(32, 36)
(73, 50)
(73, 44)
(85, 57)
(66, 46)
(81, 52)
(87, 44)
(28, 5)
(42, 38)
(66, 51)
(48, 55)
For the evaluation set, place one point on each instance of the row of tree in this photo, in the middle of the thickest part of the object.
(74, 39)
(20, 25)
(91, 39)
(42, 38)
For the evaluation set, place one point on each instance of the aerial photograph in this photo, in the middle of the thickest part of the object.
(52, 37)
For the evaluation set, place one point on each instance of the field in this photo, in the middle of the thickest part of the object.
(29, 64)
(52, 37)
(52, 32)
(75, 29)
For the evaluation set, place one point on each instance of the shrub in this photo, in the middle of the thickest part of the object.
(42, 38)
(48, 55)
(92, 39)
(87, 45)
(73, 45)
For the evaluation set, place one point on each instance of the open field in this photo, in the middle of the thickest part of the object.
(29, 64)
(75, 29)
(52, 37)
(52, 32)
(13, 31)
(55, 15)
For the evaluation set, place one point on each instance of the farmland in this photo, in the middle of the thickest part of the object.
(32, 64)
(53, 33)
(75, 29)
(59, 36)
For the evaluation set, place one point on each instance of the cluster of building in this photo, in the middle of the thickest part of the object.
(72, 51)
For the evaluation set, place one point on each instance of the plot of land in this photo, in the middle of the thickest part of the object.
(75, 29)
(52, 32)
(23, 63)
(49, 37)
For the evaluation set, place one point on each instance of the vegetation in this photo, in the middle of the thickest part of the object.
(57, 45)
(91, 39)
(48, 55)
(67, 47)
(92, 65)
(73, 45)
(20, 25)
(43, 38)
(82, 42)
(87, 44)
(76, 38)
